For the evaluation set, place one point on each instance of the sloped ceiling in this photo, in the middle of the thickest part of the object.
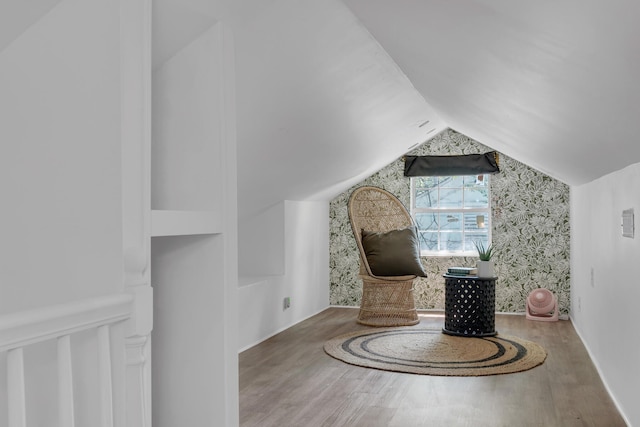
(174, 25)
(16, 16)
(320, 104)
(330, 91)
(553, 84)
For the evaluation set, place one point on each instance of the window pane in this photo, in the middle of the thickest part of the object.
(451, 181)
(426, 182)
(475, 197)
(476, 225)
(428, 240)
(451, 198)
(472, 238)
(476, 180)
(451, 241)
(427, 198)
(476, 221)
(451, 221)
(427, 221)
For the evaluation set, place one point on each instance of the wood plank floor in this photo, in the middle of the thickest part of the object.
(288, 380)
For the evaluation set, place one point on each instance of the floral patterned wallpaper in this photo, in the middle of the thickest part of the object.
(530, 220)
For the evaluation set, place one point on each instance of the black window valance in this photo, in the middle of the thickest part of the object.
(468, 164)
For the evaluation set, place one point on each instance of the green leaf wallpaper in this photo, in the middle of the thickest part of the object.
(530, 220)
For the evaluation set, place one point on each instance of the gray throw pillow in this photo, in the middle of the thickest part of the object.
(394, 253)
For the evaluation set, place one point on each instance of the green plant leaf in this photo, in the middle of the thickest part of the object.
(484, 254)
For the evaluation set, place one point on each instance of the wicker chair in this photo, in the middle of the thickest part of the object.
(386, 301)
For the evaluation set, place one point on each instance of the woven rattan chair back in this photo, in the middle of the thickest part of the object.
(386, 301)
(375, 209)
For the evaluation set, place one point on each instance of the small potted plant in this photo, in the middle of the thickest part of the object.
(484, 264)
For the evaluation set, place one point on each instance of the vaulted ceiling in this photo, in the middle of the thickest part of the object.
(551, 83)
(16, 16)
(330, 91)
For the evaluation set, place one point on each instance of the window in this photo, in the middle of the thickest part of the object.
(452, 213)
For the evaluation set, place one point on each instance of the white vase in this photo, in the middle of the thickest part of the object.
(485, 269)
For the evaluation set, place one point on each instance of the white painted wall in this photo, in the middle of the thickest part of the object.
(195, 367)
(262, 250)
(604, 310)
(60, 182)
(186, 150)
(60, 162)
(305, 280)
(189, 309)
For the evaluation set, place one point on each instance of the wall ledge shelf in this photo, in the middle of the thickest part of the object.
(184, 223)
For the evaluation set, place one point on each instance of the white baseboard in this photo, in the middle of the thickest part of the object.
(284, 328)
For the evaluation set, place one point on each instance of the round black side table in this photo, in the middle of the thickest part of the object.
(470, 306)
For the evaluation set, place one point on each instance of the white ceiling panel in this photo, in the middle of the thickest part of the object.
(16, 16)
(552, 84)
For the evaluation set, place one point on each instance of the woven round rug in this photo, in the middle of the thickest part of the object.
(430, 352)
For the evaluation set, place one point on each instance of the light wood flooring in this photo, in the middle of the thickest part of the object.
(288, 380)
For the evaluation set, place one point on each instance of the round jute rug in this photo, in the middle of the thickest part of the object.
(430, 352)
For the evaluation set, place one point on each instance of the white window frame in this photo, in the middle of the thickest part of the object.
(447, 253)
